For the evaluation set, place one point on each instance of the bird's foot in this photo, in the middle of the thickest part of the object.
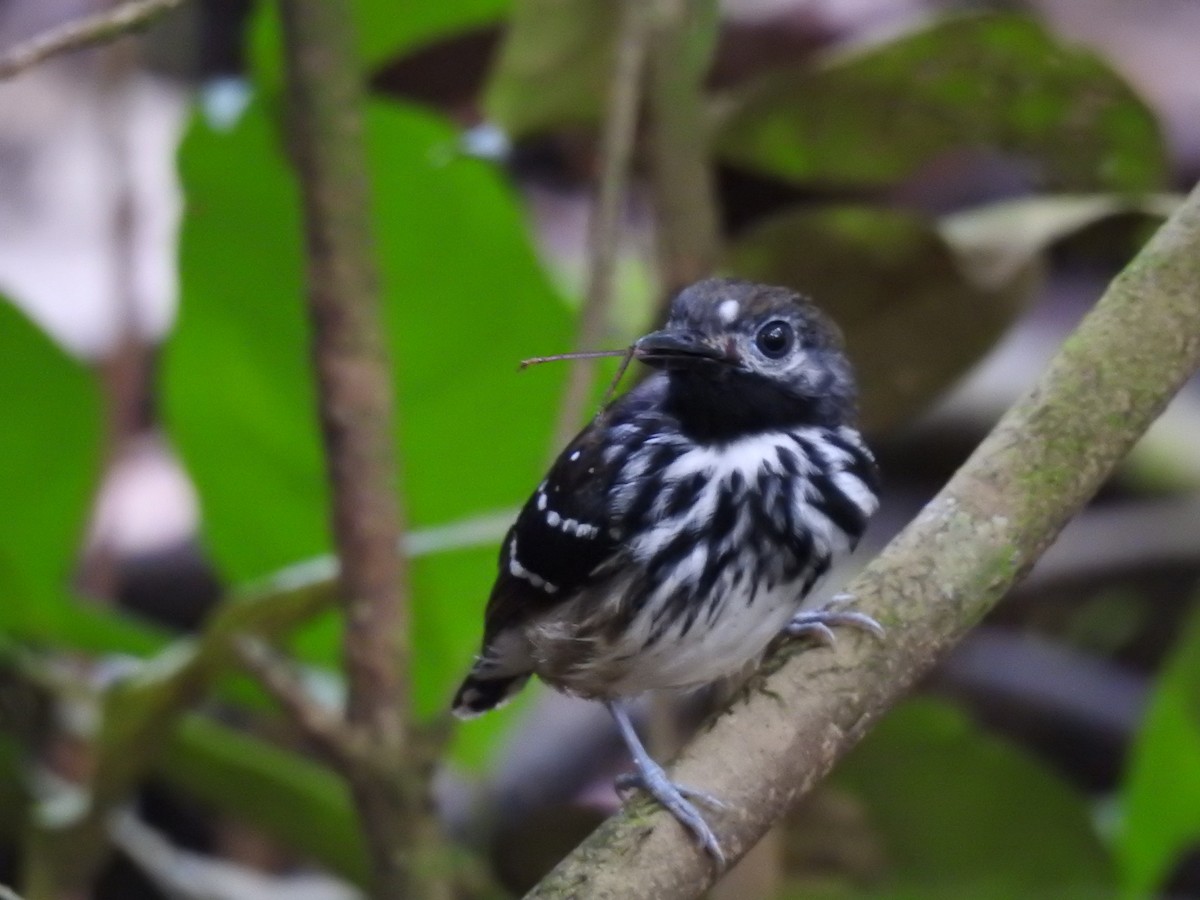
(677, 799)
(819, 623)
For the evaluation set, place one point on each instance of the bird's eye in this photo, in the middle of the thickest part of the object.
(775, 339)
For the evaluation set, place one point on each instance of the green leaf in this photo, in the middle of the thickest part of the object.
(49, 463)
(994, 83)
(914, 321)
(962, 814)
(301, 803)
(554, 65)
(1160, 798)
(465, 300)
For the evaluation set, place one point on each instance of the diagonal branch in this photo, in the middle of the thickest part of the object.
(81, 33)
(1000, 511)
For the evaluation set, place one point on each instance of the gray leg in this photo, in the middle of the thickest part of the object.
(672, 797)
(819, 623)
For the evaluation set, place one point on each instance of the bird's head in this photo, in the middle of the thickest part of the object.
(744, 357)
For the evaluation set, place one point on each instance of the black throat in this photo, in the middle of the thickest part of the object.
(714, 407)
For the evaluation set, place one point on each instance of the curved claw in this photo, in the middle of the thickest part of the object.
(819, 623)
(818, 631)
(675, 799)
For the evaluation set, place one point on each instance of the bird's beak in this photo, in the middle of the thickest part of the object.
(671, 349)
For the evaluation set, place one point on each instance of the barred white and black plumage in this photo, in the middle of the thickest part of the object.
(681, 531)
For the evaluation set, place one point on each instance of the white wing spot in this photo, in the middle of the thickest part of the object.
(519, 571)
(574, 456)
(553, 518)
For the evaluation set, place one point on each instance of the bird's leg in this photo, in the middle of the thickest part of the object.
(675, 798)
(819, 623)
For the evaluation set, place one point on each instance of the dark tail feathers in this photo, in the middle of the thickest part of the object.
(478, 693)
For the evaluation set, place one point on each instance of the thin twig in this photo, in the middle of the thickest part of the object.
(325, 728)
(1000, 511)
(604, 232)
(563, 357)
(81, 33)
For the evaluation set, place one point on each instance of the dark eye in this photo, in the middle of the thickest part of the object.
(775, 339)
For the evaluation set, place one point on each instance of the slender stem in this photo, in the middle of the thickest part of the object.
(84, 32)
(322, 726)
(356, 410)
(616, 151)
(685, 194)
(999, 512)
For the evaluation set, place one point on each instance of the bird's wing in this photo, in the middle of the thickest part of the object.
(562, 535)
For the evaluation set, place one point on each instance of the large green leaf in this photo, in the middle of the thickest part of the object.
(913, 318)
(962, 814)
(465, 299)
(993, 83)
(1160, 798)
(49, 463)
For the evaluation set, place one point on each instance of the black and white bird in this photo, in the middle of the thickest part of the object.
(682, 530)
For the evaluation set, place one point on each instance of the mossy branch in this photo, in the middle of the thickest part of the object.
(1042, 462)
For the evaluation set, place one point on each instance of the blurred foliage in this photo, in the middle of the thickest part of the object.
(896, 288)
(1160, 800)
(920, 299)
(49, 465)
(962, 814)
(995, 83)
(554, 65)
(303, 804)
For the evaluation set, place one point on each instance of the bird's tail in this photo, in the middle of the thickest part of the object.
(480, 692)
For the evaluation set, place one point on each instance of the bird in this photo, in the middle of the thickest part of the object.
(682, 530)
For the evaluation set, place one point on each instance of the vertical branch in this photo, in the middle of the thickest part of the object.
(604, 227)
(386, 774)
(354, 384)
(680, 47)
